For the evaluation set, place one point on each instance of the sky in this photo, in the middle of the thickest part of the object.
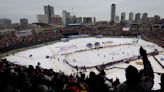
(16, 9)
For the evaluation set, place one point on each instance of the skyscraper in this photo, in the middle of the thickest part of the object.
(42, 18)
(123, 16)
(65, 17)
(24, 23)
(156, 19)
(116, 19)
(5, 23)
(79, 19)
(144, 17)
(138, 17)
(49, 11)
(131, 14)
(56, 20)
(87, 19)
(94, 19)
(113, 12)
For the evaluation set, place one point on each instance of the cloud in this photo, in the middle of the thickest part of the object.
(116, 1)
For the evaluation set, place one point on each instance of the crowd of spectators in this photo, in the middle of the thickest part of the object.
(16, 78)
(13, 42)
(155, 37)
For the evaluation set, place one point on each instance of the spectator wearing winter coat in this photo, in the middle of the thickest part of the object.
(136, 83)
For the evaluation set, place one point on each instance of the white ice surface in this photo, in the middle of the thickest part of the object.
(160, 58)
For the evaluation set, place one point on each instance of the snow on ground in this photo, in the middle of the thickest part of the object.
(77, 53)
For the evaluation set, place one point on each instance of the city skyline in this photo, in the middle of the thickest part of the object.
(16, 9)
